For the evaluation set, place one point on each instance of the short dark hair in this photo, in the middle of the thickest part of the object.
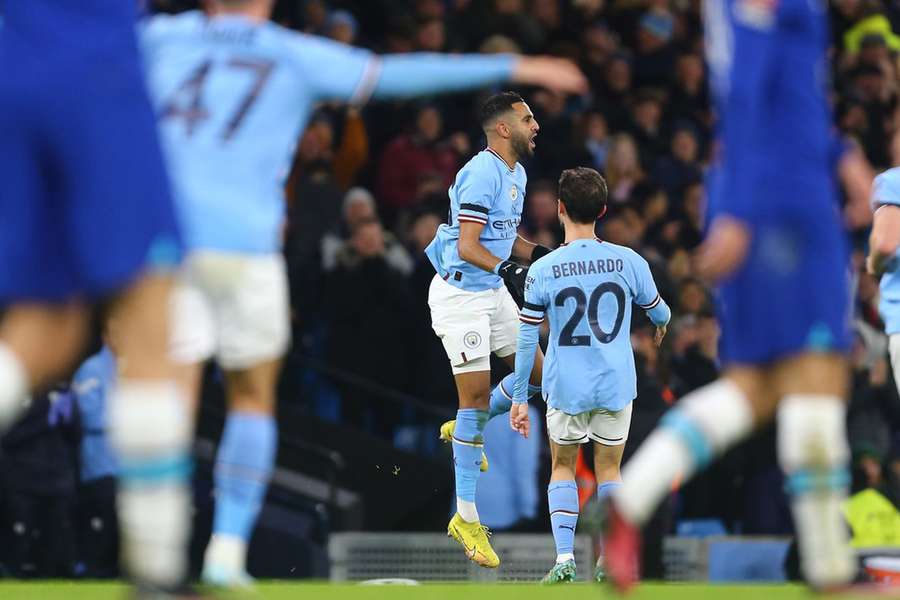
(497, 105)
(583, 192)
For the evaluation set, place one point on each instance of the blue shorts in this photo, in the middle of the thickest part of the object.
(792, 295)
(84, 198)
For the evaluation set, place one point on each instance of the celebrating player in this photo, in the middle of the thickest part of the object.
(233, 92)
(86, 214)
(471, 310)
(882, 261)
(776, 245)
(586, 289)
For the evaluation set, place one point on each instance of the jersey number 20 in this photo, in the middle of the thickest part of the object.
(590, 305)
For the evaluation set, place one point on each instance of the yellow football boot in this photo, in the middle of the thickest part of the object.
(447, 436)
(474, 539)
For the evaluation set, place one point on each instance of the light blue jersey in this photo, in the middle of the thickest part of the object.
(488, 192)
(234, 94)
(92, 385)
(586, 289)
(886, 190)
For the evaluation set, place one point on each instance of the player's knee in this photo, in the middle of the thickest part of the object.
(811, 432)
(69, 331)
(564, 460)
(607, 472)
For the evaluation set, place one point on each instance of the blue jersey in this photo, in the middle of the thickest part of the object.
(775, 173)
(486, 191)
(768, 74)
(84, 197)
(585, 289)
(886, 190)
(233, 96)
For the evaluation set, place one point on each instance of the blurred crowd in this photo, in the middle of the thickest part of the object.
(368, 190)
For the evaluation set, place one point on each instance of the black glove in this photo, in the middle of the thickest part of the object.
(513, 276)
(539, 251)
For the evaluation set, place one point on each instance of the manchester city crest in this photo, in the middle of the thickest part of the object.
(513, 192)
(472, 340)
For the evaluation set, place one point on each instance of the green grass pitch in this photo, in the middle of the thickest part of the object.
(53, 590)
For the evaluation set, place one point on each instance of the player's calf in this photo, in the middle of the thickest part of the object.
(813, 452)
(151, 433)
(704, 424)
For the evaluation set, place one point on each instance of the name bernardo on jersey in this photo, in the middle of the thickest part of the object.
(588, 267)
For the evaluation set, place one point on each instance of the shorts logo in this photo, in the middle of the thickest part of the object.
(514, 192)
(472, 340)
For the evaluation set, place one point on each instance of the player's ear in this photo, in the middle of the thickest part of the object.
(602, 212)
(503, 129)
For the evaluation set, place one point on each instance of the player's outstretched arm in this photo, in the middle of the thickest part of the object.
(415, 74)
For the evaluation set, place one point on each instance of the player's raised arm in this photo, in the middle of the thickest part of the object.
(885, 237)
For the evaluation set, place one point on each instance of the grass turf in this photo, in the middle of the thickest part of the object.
(270, 590)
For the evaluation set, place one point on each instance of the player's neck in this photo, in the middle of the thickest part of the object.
(505, 152)
(257, 13)
(579, 231)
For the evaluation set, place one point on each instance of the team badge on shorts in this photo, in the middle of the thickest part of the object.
(514, 192)
(472, 340)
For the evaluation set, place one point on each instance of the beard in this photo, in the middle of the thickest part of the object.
(521, 145)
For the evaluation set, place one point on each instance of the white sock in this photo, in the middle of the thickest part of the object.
(704, 424)
(227, 551)
(13, 387)
(150, 431)
(561, 558)
(466, 510)
(813, 452)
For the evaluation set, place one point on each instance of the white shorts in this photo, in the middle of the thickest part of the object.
(473, 324)
(894, 349)
(233, 307)
(603, 426)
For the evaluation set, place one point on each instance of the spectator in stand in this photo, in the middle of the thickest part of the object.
(367, 304)
(690, 98)
(693, 298)
(623, 168)
(408, 156)
(654, 60)
(358, 209)
(341, 26)
(597, 46)
(541, 214)
(614, 94)
(430, 35)
(432, 379)
(675, 171)
(647, 127)
(596, 139)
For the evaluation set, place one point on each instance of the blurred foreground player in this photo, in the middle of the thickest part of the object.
(86, 214)
(233, 92)
(776, 246)
(585, 289)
